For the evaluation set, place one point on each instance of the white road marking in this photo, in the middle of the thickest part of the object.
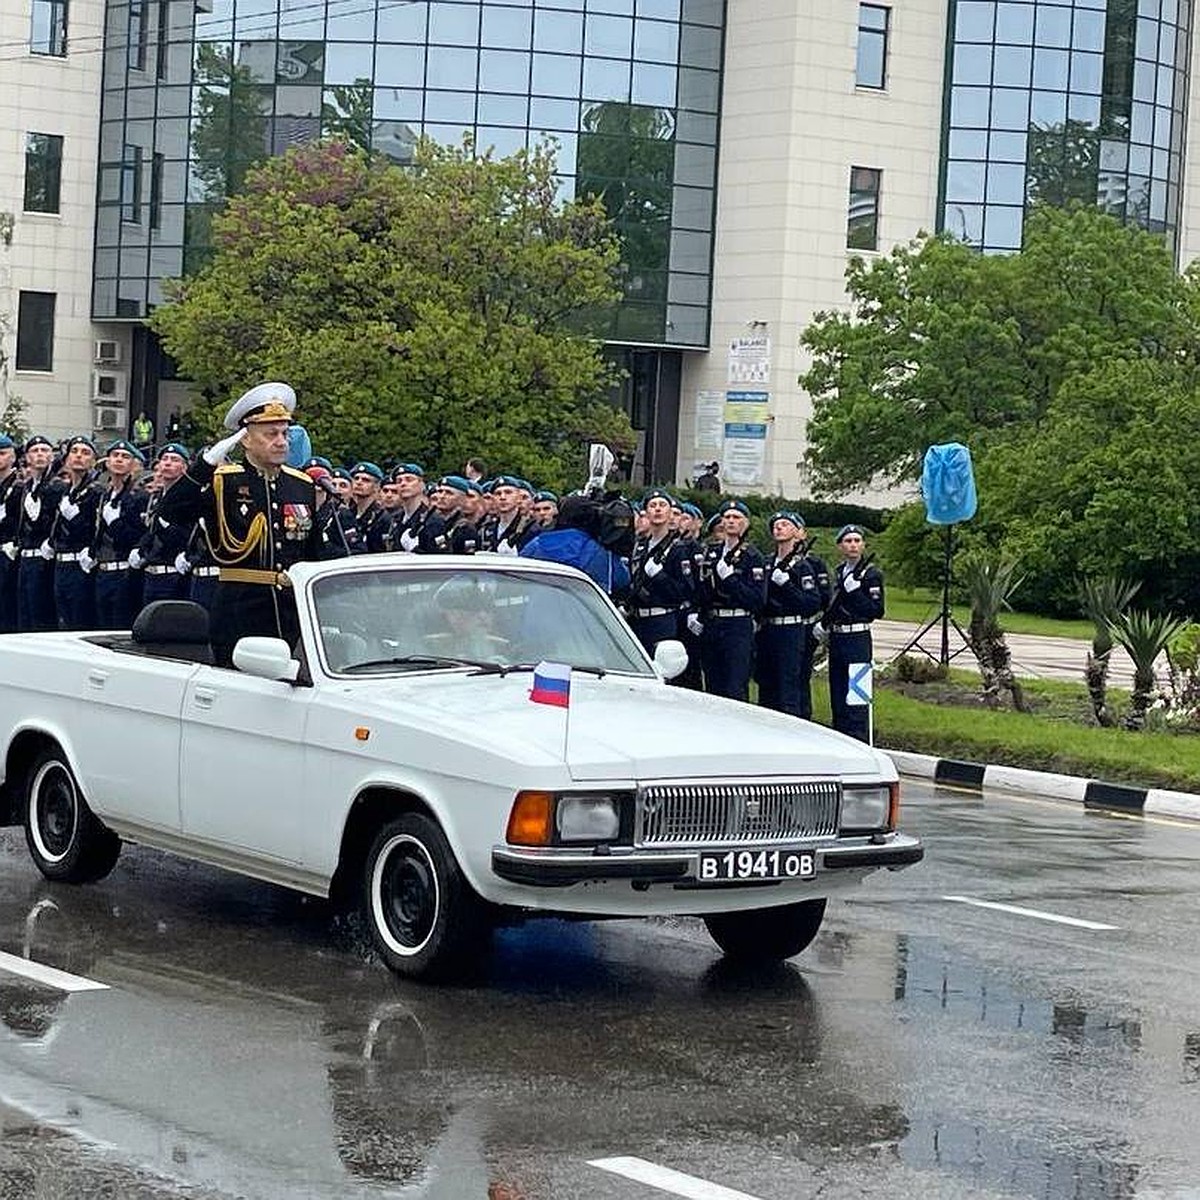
(50, 976)
(676, 1182)
(1078, 922)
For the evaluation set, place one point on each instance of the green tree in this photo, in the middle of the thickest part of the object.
(423, 312)
(349, 113)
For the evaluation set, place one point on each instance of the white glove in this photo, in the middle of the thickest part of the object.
(506, 548)
(779, 576)
(86, 562)
(33, 506)
(652, 568)
(110, 512)
(136, 561)
(217, 454)
(181, 563)
(724, 567)
(68, 508)
(10, 550)
(46, 551)
(409, 540)
(695, 625)
(851, 584)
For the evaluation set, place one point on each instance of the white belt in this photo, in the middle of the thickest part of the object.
(160, 569)
(860, 627)
(206, 572)
(653, 612)
(730, 612)
(68, 555)
(113, 566)
(794, 620)
(31, 554)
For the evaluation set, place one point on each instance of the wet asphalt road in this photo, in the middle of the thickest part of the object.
(921, 1048)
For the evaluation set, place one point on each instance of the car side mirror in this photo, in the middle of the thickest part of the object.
(266, 658)
(670, 658)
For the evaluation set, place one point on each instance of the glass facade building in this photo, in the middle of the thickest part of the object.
(196, 91)
(1060, 101)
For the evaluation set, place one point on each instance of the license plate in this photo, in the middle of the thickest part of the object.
(748, 865)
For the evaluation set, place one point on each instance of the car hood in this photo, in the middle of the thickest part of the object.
(619, 727)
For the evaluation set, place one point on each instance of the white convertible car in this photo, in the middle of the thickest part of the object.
(402, 753)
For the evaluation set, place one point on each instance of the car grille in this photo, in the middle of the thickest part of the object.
(729, 813)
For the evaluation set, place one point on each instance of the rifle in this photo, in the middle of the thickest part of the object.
(658, 554)
(857, 571)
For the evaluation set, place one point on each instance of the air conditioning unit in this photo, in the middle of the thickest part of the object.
(108, 351)
(110, 418)
(108, 387)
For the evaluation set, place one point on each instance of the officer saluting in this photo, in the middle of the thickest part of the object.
(258, 518)
(857, 601)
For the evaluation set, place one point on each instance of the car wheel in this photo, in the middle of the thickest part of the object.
(68, 843)
(767, 934)
(425, 920)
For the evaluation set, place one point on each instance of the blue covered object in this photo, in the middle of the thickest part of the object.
(948, 484)
(577, 549)
(299, 447)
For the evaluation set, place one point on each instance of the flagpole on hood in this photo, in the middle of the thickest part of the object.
(552, 685)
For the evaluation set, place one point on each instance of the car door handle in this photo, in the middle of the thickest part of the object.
(97, 678)
(204, 697)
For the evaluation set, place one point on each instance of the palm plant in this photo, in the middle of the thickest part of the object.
(990, 582)
(1103, 599)
(1144, 635)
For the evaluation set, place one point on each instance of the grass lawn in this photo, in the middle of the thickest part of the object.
(933, 719)
(919, 604)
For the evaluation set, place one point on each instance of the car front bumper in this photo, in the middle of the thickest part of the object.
(558, 868)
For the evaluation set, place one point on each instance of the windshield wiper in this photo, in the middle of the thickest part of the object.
(599, 672)
(426, 660)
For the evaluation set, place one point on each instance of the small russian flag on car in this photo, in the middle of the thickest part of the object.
(551, 684)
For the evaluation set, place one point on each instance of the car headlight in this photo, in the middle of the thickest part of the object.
(870, 809)
(587, 819)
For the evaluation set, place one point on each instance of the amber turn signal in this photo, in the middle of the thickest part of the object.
(531, 822)
(894, 805)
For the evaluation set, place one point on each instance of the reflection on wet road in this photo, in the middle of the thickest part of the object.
(246, 1046)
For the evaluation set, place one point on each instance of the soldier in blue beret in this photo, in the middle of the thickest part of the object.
(370, 522)
(119, 528)
(506, 531)
(160, 555)
(545, 508)
(661, 582)
(38, 507)
(71, 537)
(857, 601)
(458, 535)
(10, 510)
(416, 524)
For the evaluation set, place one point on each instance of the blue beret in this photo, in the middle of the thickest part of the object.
(526, 486)
(473, 488)
(6, 443)
(408, 468)
(456, 483)
(340, 473)
(507, 481)
(733, 506)
(175, 448)
(848, 529)
(80, 440)
(129, 448)
(367, 468)
(318, 460)
(545, 495)
(657, 494)
(691, 510)
(38, 440)
(786, 514)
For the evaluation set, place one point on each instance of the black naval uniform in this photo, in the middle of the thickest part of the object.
(728, 608)
(784, 646)
(166, 536)
(10, 508)
(334, 521)
(71, 536)
(693, 675)
(511, 539)
(849, 623)
(458, 536)
(661, 584)
(257, 525)
(416, 533)
(365, 531)
(35, 575)
(119, 528)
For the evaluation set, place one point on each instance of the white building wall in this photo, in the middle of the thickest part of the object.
(793, 124)
(52, 252)
(1189, 216)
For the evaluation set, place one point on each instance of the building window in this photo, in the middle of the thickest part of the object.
(156, 179)
(131, 184)
(43, 172)
(136, 45)
(871, 66)
(48, 28)
(163, 35)
(862, 228)
(35, 331)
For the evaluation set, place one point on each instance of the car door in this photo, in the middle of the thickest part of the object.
(242, 763)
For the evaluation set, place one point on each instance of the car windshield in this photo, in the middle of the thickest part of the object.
(391, 621)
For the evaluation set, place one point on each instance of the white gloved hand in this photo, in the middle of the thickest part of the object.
(136, 561)
(10, 550)
(779, 576)
(695, 625)
(409, 540)
(724, 567)
(86, 562)
(217, 454)
(68, 508)
(851, 584)
(46, 551)
(33, 506)
(506, 548)
(182, 565)
(652, 568)
(110, 512)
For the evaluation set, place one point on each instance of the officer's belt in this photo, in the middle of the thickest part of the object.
(113, 566)
(254, 575)
(206, 572)
(68, 555)
(729, 612)
(859, 627)
(161, 569)
(653, 612)
(792, 620)
(31, 554)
